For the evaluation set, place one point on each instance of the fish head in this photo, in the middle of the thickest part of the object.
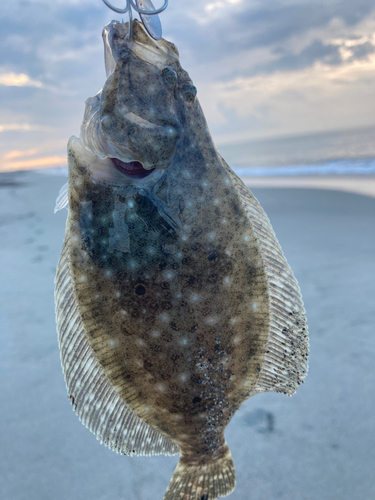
(137, 119)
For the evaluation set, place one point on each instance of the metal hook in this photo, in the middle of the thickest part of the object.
(153, 27)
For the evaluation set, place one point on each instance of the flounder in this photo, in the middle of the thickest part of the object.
(174, 301)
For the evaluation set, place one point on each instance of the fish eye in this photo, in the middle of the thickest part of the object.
(170, 76)
(190, 92)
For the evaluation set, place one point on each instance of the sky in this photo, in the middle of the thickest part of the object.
(263, 69)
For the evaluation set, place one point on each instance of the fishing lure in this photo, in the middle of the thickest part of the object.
(147, 13)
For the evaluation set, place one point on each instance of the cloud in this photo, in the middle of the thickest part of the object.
(280, 26)
(362, 50)
(19, 127)
(18, 80)
(52, 59)
(10, 155)
(43, 162)
(317, 51)
(320, 97)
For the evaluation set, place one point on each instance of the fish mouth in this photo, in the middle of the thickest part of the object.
(134, 169)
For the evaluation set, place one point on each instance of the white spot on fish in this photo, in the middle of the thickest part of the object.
(246, 238)
(227, 280)
(160, 387)
(83, 278)
(118, 294)
(195, 297)
(211, 236)
(255, 305)
(131, 204)
(212, 320)
(112, 342)
(183, 377)
(164, 317)
(155, 333)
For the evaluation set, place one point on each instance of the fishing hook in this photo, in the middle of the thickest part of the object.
(152, 27)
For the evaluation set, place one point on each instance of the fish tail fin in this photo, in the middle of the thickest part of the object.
(208, 481)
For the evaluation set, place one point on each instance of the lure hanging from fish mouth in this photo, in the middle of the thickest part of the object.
(174, 301)
(147, 13)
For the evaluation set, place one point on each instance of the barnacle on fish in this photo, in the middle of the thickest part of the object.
(174, 301)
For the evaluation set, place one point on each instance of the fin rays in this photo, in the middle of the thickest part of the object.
(95, 401)
(209, 481)
(285, 364)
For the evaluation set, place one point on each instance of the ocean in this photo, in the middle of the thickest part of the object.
(349, 152)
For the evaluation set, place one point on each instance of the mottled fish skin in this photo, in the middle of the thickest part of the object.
(170, 271)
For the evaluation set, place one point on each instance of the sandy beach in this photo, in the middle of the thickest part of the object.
(359, 184)
(316, 445)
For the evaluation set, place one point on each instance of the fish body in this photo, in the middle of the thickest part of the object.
(174, 302)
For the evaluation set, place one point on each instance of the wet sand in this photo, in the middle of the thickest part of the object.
(359, 184)
(316, 445)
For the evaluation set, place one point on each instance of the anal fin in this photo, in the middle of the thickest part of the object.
(94, 399)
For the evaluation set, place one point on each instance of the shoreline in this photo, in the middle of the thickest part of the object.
(358, 184)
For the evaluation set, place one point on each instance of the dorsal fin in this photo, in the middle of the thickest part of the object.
(95, 401)
(62, 201)
(286, 352)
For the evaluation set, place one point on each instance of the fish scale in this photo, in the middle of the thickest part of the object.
(174, 301)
